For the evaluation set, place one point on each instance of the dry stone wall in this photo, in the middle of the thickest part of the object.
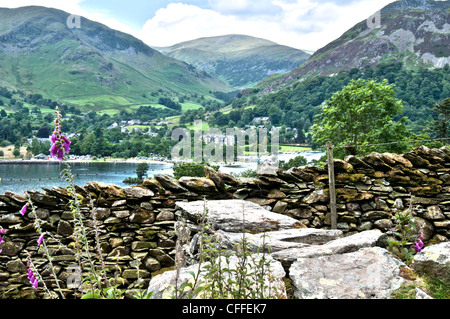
(135, 225)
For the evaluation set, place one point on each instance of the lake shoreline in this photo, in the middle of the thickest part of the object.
(125, 161)
(54, 162)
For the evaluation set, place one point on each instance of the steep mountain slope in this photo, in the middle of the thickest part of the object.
(92, 64)
(231, 57)
(414, 32)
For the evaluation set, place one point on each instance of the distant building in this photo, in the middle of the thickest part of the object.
(114, 125)
(219, 139)
(152, 133)
(39, 139)
(261, 120)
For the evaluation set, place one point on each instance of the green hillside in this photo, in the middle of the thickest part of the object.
(414, 32)
(230, 57)
(92, 66)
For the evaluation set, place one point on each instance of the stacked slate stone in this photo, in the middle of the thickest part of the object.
(136, 224)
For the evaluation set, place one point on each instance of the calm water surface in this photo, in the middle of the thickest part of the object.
(21, 177)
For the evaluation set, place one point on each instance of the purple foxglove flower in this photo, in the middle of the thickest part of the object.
(40, 239)
(53, 150)
(2, 231)
(60, 155)
(34, 282)
(66, 143)
(419, 246)
(53, 138)
(30, 274)
(24, 209)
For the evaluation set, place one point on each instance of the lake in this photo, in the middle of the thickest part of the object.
(30, 176)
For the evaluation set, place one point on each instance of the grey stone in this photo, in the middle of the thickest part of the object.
(135, 273)
(64, 228)
(170, 183)
(383, 224)
(282, 239)
(420, 294)
(280, 207)
(165, 215)
(433, 212)
(152, 264)
(102, 213)
(236, 215)
(10, 219)
(316, 196)
(339, 245)
(15, 266)
(198, 184)
(369, 273)
(434, 260)
(138, 192)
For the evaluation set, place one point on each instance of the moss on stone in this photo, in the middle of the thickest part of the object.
(352, 178)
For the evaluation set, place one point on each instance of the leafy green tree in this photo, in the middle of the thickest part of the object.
(294, 162)
(141, 170)
(360, 114)
(16, 152)
(441, 126)
(37, 147)
(190, 169)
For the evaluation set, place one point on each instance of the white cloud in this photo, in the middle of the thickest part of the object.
(244, 7)
(304, 24)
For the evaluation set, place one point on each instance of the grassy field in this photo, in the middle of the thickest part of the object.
(8, 152)
(293, 148)
(190, 106)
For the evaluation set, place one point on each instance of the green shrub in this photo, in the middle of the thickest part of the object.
(191, 169)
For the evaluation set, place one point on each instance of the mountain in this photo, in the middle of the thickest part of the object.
(239, 60)
(91, 65)
(413, 32)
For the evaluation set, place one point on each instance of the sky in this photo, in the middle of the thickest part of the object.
(302, 24)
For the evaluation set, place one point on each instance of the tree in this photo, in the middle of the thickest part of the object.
(191, 169)
(360, 114)
(43, 132)
(141, 170)
(16, 152)
(441, 126)
(294, 162)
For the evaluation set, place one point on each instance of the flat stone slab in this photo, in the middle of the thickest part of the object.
(368, 238)
(369, 273)
(235, 216)
(280, 240)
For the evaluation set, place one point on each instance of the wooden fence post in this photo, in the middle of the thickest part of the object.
(332, 185)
